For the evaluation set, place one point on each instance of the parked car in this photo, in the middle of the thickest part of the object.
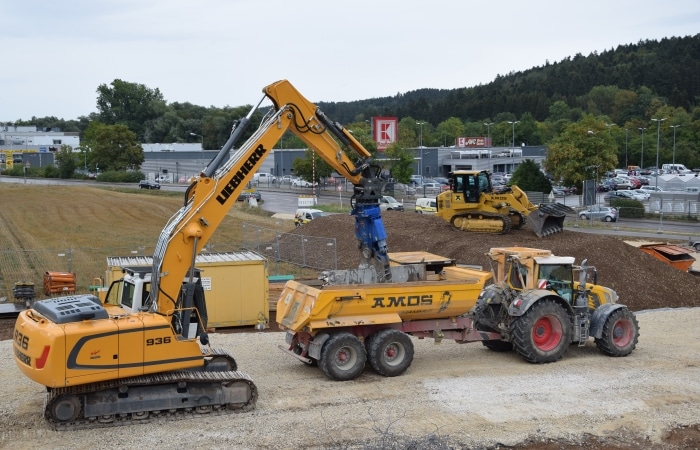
(695, 244)
(432, 188)
(306, 215)
(389, 203)
(264, 177)
(399, 189)
(604, 213)
(606, 185)
(634, 195)
(651, 189)
(149, 184)
(247, 194)
(622, 183)
(640, 194)
(426, 205)
(300, 182)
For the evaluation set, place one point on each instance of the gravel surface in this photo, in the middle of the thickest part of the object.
(460, 395)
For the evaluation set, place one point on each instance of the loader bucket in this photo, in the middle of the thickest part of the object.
(548, 219)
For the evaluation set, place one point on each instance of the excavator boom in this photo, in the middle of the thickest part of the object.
(146, 350)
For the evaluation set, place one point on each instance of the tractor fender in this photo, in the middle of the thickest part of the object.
(599, 316)
(317, 344)
(525, 300)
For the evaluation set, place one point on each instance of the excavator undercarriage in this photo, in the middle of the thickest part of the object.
(218, 388)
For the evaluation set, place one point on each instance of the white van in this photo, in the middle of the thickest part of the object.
(675, 168)
(263, 177)
(426, 205)
(306, 215)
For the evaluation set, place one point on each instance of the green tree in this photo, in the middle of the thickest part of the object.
(401, 162)
(131, 104)
(529, 177)
(449, 130)
(311, 167)
(66, 161)
(113, 147)
(582, 151)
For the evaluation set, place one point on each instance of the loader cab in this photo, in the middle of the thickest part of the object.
(471, 184)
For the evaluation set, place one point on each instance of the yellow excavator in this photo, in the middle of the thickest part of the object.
(145, 352)
(471, 205)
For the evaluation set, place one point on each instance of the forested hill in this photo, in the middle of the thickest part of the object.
(669, 68)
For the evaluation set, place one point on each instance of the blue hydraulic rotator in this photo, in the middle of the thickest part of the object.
(370, 232)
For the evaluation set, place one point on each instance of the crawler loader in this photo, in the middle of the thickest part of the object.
(471, 205)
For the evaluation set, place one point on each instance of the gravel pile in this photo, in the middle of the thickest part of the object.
(641, 281)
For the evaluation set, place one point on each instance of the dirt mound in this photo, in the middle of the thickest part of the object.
(641, 281)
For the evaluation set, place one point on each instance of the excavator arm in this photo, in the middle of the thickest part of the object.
(210, 197)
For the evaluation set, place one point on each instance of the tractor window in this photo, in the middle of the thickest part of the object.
(514, 279)
(560, 279)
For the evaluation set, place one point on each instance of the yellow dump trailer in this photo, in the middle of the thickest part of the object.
(235, 285)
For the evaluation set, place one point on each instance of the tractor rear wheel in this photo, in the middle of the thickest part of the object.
(390, 352)
(620, 334)
(543, 333)
(343, 357)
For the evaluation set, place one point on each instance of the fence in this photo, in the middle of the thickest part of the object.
(304, 251)
(29, 266)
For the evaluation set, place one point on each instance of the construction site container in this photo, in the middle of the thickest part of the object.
(673, 255)
(235, 285)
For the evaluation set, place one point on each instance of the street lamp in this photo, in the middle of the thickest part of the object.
(658, 142)
(609, 125)
(200, 137)
(597, 164)
(421, 133)
(641, 163)
(626, 136)
(513, 141)
(488, 131)
(674, 143)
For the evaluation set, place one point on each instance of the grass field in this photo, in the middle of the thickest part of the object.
(75, 228)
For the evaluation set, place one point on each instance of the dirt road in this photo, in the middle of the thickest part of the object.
(465, 394)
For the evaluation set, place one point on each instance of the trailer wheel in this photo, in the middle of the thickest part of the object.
(620, 334)
(390, 352)
(343, 357)
(543, 333)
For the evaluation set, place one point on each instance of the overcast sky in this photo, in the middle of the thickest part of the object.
(223, 52)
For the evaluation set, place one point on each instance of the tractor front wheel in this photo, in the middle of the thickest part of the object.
(620, 334)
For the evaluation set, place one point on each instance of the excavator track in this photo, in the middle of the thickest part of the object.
(175, 395)
(482, 222)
